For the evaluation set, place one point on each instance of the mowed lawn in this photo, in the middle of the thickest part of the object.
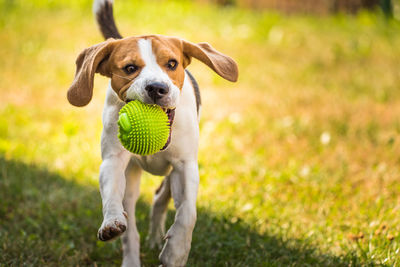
(299, 160)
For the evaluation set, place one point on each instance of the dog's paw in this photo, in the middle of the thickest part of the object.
(176, 249)
(112, 227)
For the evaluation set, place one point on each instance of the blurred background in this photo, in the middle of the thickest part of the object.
(299, 160)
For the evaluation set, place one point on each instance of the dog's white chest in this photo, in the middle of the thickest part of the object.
(155, 164)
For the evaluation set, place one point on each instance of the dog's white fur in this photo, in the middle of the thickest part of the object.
(178, 163)
(152, 72)
(120, 170)
(98, 5)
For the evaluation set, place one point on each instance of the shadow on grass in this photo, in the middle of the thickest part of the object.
(49, 220)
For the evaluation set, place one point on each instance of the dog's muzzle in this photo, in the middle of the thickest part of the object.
(157, 91)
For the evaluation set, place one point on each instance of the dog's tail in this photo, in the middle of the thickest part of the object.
(103, 11)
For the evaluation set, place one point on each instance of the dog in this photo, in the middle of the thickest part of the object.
(150, 69)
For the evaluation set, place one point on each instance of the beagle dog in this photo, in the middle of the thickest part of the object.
(150, 69)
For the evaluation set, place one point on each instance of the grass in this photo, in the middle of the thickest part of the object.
(299, 161)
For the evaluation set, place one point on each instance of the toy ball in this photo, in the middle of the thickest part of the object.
(143, 129)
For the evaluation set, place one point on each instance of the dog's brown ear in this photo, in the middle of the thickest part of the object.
(223, 65)
(89, 61)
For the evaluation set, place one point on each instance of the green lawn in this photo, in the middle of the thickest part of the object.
(299, 160)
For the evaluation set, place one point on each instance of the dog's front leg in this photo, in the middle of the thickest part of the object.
(184, 181)
(112, 189)
(112, 172)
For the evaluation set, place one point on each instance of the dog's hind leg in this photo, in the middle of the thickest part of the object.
(158, 214)
(131, 239)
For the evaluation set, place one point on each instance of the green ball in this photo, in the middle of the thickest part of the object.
(143, 129)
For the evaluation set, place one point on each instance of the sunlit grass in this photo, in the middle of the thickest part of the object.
(304, 148)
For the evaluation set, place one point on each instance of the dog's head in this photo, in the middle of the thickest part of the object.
(146, 68)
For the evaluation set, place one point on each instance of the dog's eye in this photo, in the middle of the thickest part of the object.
(172, 64)
(130, 68)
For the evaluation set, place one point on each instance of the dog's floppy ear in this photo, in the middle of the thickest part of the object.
(89, 61)
(223, 65)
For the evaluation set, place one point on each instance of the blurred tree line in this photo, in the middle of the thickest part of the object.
(312, 6)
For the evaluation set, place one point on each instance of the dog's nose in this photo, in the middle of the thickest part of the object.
(157, 90)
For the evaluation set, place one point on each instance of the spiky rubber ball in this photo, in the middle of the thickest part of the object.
(143, 129)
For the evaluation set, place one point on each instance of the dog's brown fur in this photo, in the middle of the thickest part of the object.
(109, 58)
